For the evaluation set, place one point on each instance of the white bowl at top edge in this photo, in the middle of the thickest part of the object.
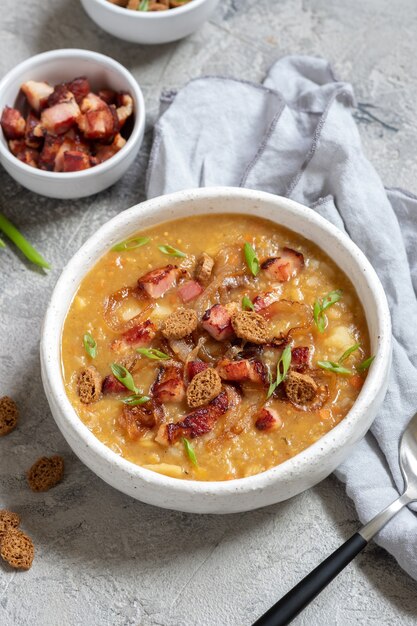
(280, 482)
(155, 27)
(59, 66)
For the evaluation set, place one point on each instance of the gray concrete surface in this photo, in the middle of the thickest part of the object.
(103, 558)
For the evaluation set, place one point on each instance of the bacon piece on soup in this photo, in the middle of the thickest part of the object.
(58, 119)
(157, 282)
(268, 420)
(37, 93)
(80, 87)
(300, 358)
(195, 424)
(125, 108)
(138, 336)
(217, 321)
(75, 161)
(137, 420)
(264, 300)
(112, 385)
(242, 370)
(195, 367)
(12, 123)
(190, 291)
(284, 267)
(169, 384)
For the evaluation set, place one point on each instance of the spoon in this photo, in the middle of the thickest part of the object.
(286, 609)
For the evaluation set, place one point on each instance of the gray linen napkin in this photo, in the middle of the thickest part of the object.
(295, 136)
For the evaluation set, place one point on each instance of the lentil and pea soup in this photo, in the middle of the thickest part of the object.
(214, 347)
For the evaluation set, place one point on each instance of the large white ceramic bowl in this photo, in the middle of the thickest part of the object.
(153, 27)
(59, 66)
(278, 483)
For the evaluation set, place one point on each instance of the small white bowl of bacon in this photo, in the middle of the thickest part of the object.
(149, 21)
(72, 122)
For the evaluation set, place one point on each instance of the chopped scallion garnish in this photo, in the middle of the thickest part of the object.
(171, 251)
(190, 451)
(135, 399)
(153, 353)
(247, 304)
(349, 351)
(321, 305)
(336, 368)
(90, 345)
(124, 376)
(144, 5)
(131, 244)
(251, 259)
(362, 367)
(2, 244)
(20, 242)
(283, 366)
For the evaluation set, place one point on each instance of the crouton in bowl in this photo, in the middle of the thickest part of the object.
(72, 122)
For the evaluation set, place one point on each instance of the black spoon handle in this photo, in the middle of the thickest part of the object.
(286, 609)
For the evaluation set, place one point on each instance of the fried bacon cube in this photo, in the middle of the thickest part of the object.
(12, 123)
(169, 384)
(136, 420)
(75, 161)
(268, 420)
(58, 119)
(195, 367)
(157, 282)
(196, 423)
(284, 267)
(105, 152)
(79, 87)
(190, 291)
(125, 108)
(217, 321)
(138, 336)
(37, 93)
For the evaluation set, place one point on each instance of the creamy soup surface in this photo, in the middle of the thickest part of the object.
(212, 412)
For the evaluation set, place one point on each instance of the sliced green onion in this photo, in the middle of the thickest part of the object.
(20, 242)
(131, 244)
(2, 244)
(153, 353)
(144, 5)
(135, 399)
(171, 251)
(247, 304)
(362, 367)
(251, 259)
(189, 451)
(321, 305)
(349, 351)
(331, 366)
(124, 376)
(90, 345)
(283, 366)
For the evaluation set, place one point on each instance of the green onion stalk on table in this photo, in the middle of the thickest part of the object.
(10, 231)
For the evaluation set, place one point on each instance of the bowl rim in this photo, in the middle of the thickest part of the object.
(11, 78)
(152, 15)
(291, 469)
